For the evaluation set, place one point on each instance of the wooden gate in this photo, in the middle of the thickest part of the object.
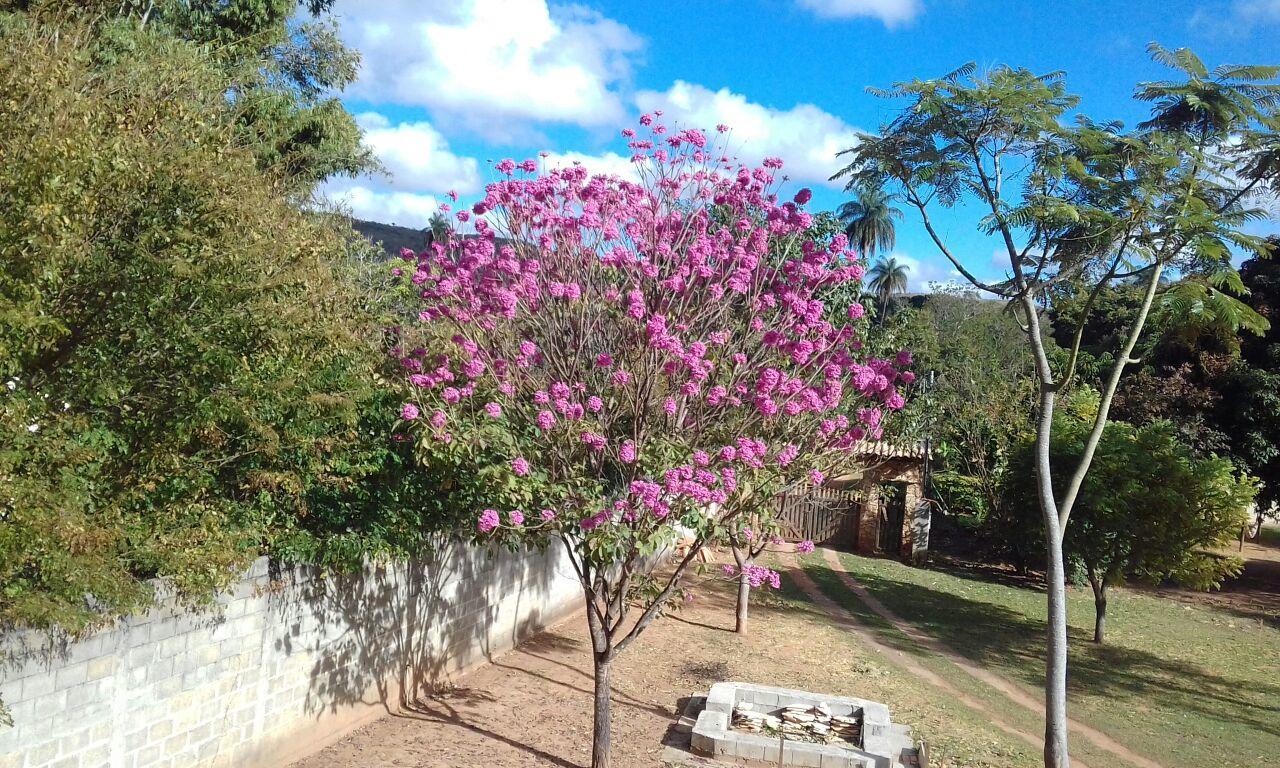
(819, 514)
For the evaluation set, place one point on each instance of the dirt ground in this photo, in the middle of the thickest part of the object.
(531, 707)
(1255, 594)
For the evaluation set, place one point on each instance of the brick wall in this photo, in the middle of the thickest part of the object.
(283, 664)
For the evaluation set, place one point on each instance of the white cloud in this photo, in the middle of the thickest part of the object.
(417, 156)
(1241, 18)
(806, 137)
(486, 61)
(892, 12)
(607, 163)
(1257, 10)
(408, 209)
(922, 274)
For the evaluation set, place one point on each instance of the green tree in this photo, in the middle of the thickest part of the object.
(1088, 202)
(1217, 386)
(1249, 407)
(869, 218)
(1149, 509)
(439, 228)
(281, 62)
(980, 393)
(187, 362)
(888, 279)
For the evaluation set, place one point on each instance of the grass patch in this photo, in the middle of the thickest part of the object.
(1188, 686)
(1028, 722)
(958, 736)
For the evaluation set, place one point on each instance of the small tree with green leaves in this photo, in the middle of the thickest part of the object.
(1149, 509)
(1089, 202)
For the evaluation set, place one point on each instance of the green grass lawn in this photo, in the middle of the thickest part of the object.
(1188, 686)
(945, 751)
(958, 737)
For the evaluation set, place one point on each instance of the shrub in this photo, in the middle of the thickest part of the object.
(1149, 510)
(184, 358)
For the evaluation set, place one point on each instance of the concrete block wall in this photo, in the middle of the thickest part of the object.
(283, 664)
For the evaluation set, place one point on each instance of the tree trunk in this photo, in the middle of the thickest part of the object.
(1055, 688)
(602, 715)
(744, 593)
(1055, 722)
(1099, 607)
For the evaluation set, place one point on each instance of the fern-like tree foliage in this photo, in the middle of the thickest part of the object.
(1088, 203)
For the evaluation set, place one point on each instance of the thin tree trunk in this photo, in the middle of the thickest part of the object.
(1055, 691)
(1099, 607)
(1056, 754)
(744, 598)
(601, 715)
(744, 593)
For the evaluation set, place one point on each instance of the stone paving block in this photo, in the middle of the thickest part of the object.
(97, 757)
(801, 755)
(149, 756)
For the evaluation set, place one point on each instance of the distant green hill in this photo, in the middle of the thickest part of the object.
(391, 236)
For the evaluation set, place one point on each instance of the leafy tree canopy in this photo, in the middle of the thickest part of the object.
(188, 365)
(1149, 509)
(280, 75)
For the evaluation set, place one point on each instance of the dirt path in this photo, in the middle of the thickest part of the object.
(849, 622)
(1010, 690)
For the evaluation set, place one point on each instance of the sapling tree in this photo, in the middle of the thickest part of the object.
(754, 533)
(1091, 203)
(627, 358)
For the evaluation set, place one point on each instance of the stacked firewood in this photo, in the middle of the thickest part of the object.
(814, 724)
(746, 718)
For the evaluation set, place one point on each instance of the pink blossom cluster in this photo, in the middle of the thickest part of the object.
(757, 575)
(658, 339)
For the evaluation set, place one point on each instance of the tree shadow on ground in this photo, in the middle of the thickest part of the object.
(1012, 643)
(716, 598)
(1253, 595)
(435, 710)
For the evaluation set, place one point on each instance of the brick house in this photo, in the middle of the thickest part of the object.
(878, 508)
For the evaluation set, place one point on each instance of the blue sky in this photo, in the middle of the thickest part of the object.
(446, 88)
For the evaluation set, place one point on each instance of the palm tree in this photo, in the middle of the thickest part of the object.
(868, 220)
(438, 227)
(888, 278)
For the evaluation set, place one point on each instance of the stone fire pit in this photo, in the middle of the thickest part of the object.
(780, 725)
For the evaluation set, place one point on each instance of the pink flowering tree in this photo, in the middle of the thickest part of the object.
(633, 362)
(752, 533)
